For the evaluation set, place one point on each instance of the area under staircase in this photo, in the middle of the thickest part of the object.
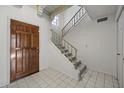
(65, 47)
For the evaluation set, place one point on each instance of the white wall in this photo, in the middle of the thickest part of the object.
(96, 44)
(28, 15)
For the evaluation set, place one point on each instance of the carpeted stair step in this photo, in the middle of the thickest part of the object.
(82, 68)
(77, 64)
(64, 50)
(72, 59)
(68, 54)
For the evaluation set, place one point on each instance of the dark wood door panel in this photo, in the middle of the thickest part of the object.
(18, 40)
(25, 60)
(24, 49)
(34, 59)
(19, 61)
(34, 40)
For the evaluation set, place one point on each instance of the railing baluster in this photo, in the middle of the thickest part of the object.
(54, 38)
(74, 21)
(81, 12)
(78, 15)
(72, 51)
(75, 18)
(69, 47)
(63, 43)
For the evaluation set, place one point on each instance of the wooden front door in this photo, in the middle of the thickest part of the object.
(24, 49)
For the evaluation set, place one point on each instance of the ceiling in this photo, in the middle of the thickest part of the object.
(55, 9)
(96, 11)
(50, 9)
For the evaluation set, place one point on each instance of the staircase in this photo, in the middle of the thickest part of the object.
(65, 47)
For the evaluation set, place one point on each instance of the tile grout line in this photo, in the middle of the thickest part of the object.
(83, 77)
(96, 79)
(88, 79)
(118, 83)
(26, 83)
(104, 80)
(113, 81)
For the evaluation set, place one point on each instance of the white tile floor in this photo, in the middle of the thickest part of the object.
(50, 78)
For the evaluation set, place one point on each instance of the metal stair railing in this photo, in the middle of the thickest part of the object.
(59, 41)
(70, 48)
(56, 38)
(73, 21)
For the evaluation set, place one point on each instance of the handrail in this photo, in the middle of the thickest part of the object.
(81, 17)
(75, 23)
(72, 18)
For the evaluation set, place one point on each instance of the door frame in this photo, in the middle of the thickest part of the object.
(8, 20)
(120, 10)
(8, 48)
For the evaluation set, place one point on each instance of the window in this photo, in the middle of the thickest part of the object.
(55, 21)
